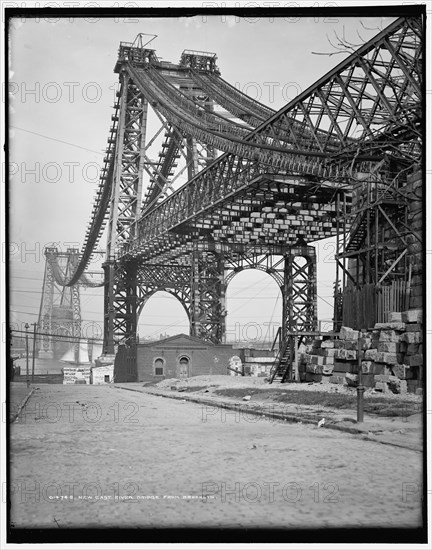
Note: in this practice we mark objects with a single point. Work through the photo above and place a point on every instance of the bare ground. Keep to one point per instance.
(132, 459)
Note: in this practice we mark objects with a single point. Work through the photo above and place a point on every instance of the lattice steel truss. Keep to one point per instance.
(299, 291)
(259, 182)
(60, 309)
(128, 286)
(208, 307)
(294, 270)
(130, 159)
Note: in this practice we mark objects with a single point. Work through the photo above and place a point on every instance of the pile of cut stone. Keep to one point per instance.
(391, 356)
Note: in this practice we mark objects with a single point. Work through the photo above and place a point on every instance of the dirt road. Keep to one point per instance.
(129, 459)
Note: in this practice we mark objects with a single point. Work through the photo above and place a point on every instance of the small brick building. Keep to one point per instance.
(181, 356)
(102, 374)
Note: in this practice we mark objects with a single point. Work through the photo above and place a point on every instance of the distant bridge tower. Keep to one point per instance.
(60, 310)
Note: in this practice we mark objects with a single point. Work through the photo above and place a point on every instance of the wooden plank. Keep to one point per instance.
(394, 293)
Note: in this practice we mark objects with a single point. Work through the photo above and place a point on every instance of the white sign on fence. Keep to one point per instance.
(72, 375)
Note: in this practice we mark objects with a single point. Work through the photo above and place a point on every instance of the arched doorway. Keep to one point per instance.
(183, 369)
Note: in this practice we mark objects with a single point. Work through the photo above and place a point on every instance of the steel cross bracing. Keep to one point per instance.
(208, 291)
(377, 254)
(375, 92)
(128, 286)
(354, 122)
(245, 196)
(129, 161)
(278, 178)
(269, 263)
(300, 305)
(201, 288)
(60, 310)
(294, 270)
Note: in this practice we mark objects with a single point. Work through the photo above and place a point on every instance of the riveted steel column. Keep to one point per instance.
(109, 310)
(299, 292)
(208, 294)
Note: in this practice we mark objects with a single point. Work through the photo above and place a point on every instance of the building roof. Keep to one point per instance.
(172, 340)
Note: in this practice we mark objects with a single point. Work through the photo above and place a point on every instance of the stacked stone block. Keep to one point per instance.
(391, 356)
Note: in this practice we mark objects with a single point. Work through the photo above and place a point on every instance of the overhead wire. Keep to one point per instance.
(57, 140)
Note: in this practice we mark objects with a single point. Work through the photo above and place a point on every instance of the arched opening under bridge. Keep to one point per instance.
(162, 315)
(326, 277)
(254, 308)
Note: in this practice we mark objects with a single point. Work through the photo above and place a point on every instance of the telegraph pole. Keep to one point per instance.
(34, 351)
(27, 326)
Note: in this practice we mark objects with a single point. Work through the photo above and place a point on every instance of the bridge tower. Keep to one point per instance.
(60, 310)
(199, 282)
(199, 277)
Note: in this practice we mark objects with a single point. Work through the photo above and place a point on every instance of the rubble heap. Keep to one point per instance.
(391, 356)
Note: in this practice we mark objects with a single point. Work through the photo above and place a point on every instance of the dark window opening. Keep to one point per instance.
(159, 367)
(106, 378)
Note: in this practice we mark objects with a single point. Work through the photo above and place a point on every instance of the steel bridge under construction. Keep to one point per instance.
(235, 185)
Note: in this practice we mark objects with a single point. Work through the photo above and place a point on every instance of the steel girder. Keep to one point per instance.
(130, 285)
(174, 279)
(201, 289)
(268, 263)
(294, 271)
(299, 291)
(120, 304)
(208, 295)
(126, 196)
(270, 210)
(125, 207)
(371, 103)
(368, 107)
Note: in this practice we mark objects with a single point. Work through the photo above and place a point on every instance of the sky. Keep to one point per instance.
(62, 88)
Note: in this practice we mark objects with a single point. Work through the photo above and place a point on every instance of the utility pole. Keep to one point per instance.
(34, 351)
(27, 326)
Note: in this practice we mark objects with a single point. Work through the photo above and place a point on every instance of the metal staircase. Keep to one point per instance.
(282, 368)
(359, 230)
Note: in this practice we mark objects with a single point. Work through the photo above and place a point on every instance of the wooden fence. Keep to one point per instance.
(125, 364)
(391, 298)
(362, 308)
